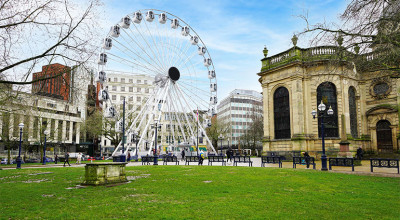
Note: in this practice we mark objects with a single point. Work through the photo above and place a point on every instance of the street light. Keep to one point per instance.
(221, 138)
(156, 126)
(46, 132)
(321, 114)
(136, 139)
(21, 126)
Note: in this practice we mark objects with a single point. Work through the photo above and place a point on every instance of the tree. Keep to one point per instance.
(370, 29)
(255, 130)
(217, 128)
(40, 32)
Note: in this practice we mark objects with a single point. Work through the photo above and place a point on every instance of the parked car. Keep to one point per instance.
(4, 161)
(32, 160)
(15, 161)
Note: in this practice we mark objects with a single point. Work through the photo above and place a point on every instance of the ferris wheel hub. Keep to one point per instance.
(174, 74)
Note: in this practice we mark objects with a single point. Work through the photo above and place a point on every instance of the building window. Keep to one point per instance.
(353, 112)
(138, 99)
(122, 89)
(145, 82)
(139, 81)
(138, 89)
(282, 113)
(130, 80)
(130, 89)
(327, 93)
(147, 90)
(131, 98)
(114, 97)
(114, 88)
(123, 80)
(122, 98)
(115, 79)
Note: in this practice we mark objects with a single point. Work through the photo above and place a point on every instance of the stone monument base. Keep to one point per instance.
(344, 150)
(104, 173)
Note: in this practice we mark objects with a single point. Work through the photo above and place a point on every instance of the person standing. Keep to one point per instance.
(359, 154)
(79, 158)
(67, 159)
(129, 156)
(201, 158)
(183, 154)
(56, 159)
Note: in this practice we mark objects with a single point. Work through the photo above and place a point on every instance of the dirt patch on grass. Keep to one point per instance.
(137, 177)
(36, 181)
(207, 181)
(32, 174)
(76, 187)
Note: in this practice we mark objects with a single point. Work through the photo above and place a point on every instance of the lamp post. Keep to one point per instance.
(21, 126)
(221, 138)
(136, 139)
(321, 114)
(46, 132)
(156, 125)
(123, 156)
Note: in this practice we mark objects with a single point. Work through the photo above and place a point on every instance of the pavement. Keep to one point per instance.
(364, 169)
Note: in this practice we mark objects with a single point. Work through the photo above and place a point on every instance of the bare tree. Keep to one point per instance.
(39, 32)
(254, 132)
(217, 128)
(370, 29)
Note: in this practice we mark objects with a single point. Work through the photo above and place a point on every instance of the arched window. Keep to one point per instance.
(327, 93)
(353, 112)
(282, 113)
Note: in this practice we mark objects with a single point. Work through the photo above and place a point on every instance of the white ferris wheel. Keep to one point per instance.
(160, 45)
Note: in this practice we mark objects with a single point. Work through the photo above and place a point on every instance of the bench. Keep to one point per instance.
(167, 159)
(191, 159)
(242, 159)
(271, 159)
(388, 163)
(302, 161)
(147, 160)
(216, 159)
(343, 162)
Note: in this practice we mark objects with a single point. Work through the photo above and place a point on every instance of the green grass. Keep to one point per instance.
(192, 192)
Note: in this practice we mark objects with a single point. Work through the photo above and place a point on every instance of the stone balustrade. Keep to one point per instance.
(297, 54)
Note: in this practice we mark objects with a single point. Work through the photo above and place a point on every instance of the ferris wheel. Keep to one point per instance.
(162, 46)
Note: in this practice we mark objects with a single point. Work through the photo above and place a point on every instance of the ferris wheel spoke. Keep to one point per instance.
(136, 54)
(189, 128)
(130, 63)
(155, 45)
(177, 117)
(139, 45)
(151, 67)
(194, 94)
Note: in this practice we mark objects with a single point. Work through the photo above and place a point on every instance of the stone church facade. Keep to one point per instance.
(365, 103)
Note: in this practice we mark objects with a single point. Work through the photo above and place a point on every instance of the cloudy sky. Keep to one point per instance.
(235, 32)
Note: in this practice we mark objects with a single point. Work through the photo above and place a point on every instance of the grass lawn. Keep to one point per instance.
(192, 192)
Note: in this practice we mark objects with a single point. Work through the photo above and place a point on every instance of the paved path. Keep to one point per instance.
(364, 169)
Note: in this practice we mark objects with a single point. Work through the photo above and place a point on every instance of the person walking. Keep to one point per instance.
(129, 156)
(55, 159)
(229, 154)
(183, 154)
(67, 159)
(307, 159)
(79, 158)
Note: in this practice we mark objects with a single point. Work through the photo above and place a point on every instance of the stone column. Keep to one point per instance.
(363, 109)
(56, 130)
(374, 144)
(78, 131)
(344, 144)
(394, 137)
(64, 131)
(71, 130)
(267, 137)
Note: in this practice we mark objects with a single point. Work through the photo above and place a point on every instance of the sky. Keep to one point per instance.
(236, 31)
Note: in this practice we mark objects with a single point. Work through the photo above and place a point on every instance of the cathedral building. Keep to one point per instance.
(364, 102)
